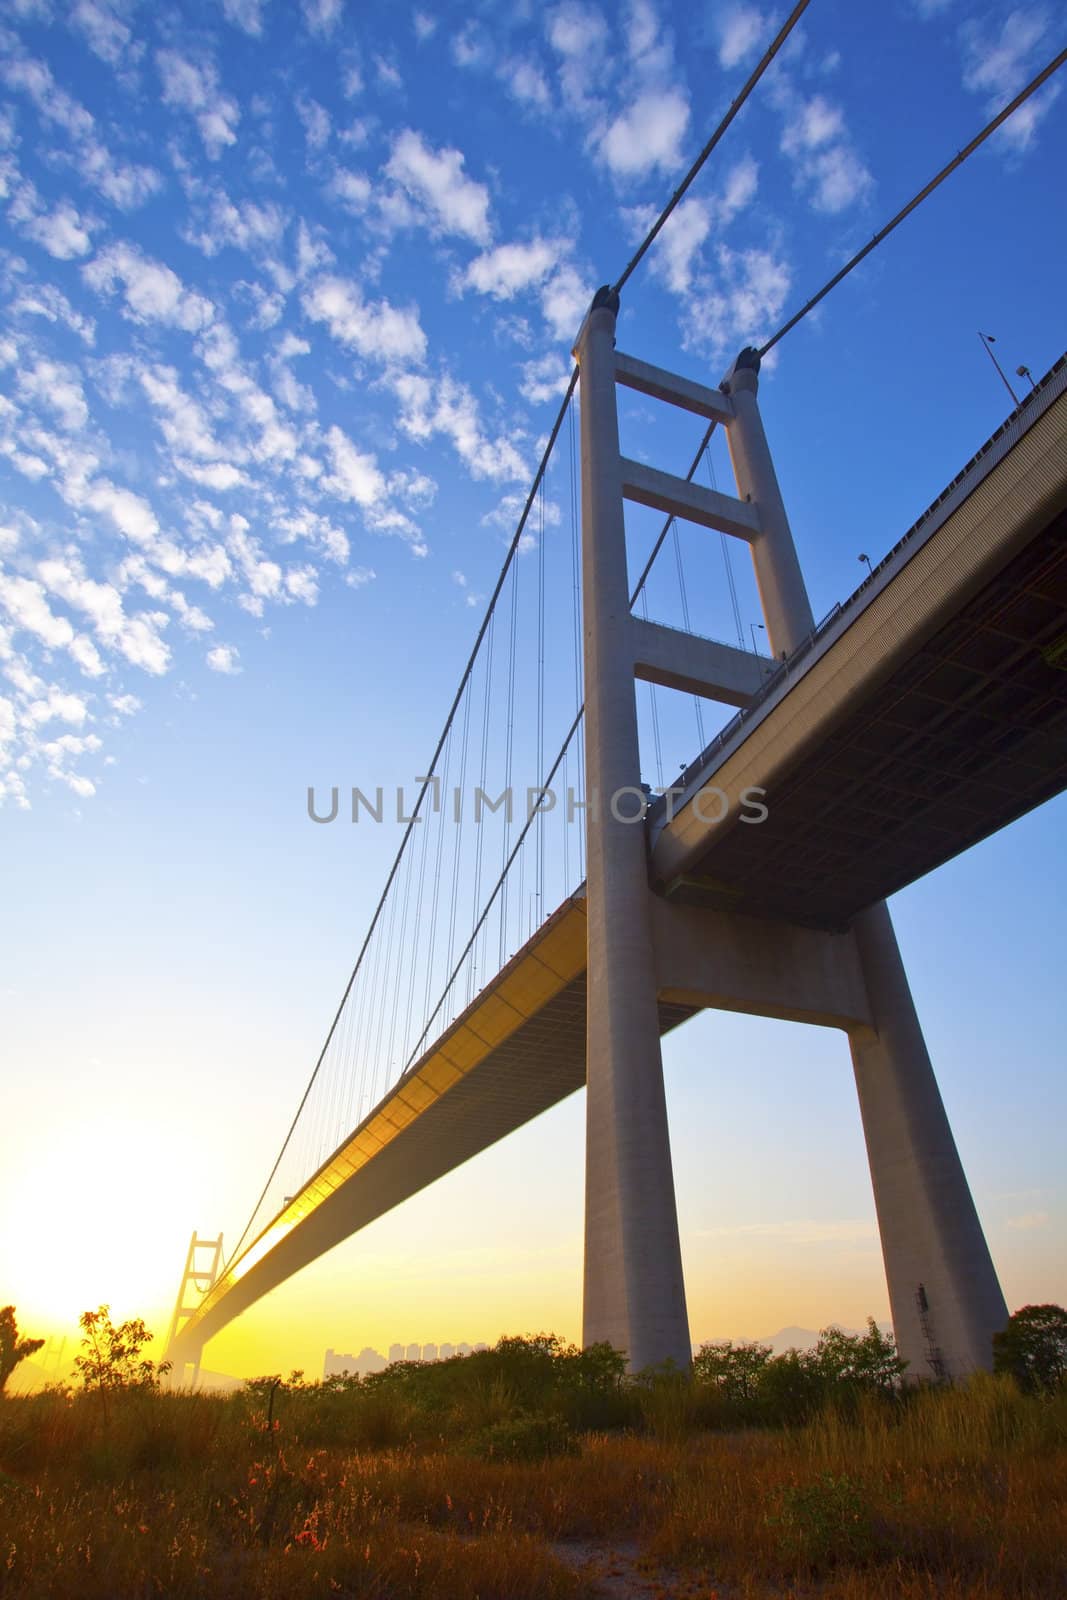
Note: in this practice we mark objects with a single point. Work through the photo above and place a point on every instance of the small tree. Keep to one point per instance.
(860, 1360)
(12, 1348)
(1033, 1348)
(733, 1369)
(111, 1356)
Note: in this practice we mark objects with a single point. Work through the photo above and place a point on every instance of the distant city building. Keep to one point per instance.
(337, 1365)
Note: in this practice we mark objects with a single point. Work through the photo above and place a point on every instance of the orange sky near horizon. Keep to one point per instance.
(447, 1267)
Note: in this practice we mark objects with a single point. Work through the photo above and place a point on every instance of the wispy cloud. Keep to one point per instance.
(437, 182)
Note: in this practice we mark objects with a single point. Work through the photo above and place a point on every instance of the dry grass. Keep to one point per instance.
(957, 1495)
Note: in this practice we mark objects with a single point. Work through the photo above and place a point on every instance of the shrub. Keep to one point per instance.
(824, 1522)
(524, 1439)
(1033, 1348)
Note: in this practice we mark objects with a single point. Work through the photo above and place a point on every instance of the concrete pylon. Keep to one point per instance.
(784, 600)
(634, 1290)
(943, 1289)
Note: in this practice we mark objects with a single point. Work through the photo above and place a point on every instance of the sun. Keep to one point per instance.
(97, 1221)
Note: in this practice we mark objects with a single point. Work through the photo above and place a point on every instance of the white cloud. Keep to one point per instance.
(997, 65)
(105, 32)
(56, 386)
(579, 36)
(152, 292)
(352, 189)
(124, 185)
(648, 134)
(677, 247)
(131, 515)
(181, 418)
(509, 268)
(246, 14)
(224, 658)
(301, 583)
(25, 603)
(425, 26)
(544, 379)
(445, 406)
(375, 329)
(137, 638)
(195, 88)
(322, 16)
(316, 529)
(739, 189)
(45, 300)
(741, 30)
(564, 301)
(63, 231)
(355, 475)
(527, 83)
(739, 304)
(816, 139)
(436, 179)
(240, 224)
(837, 178)
(316, 122)
(816, 123)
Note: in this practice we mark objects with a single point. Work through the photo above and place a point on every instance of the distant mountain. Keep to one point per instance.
(799, 1338)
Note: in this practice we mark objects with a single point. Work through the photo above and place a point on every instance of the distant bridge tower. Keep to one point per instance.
(643, 949)
(199, 1280)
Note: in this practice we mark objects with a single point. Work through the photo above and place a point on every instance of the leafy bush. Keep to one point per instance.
(1033, 1349)
(524, 1439)
(825, 1522)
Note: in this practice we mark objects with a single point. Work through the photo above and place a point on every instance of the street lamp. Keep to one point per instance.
(870, 569)
(1024, 372)
(988, 341)
(752, 630)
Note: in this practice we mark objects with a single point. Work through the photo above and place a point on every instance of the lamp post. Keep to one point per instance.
(870, 569)
(988, 341)
(752, 630)
(1024, 372)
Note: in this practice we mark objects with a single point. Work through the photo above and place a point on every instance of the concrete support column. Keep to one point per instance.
(943, 1289)
(634, 1291)
(786, 611)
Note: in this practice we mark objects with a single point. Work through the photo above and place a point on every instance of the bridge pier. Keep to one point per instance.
(943, 1289)
(945, 1297)
(634, 1290)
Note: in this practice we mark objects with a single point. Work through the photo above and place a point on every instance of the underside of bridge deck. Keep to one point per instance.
(968, 735)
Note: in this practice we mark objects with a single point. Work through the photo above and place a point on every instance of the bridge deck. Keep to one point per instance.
(518, 1049)
(930, 712)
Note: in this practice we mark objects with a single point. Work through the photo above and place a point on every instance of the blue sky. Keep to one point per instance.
(288, 298)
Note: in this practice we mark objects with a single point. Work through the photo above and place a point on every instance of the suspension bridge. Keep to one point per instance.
(551, 912)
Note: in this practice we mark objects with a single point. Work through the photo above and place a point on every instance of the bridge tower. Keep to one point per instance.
(943, 1288)
(199, 1279)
